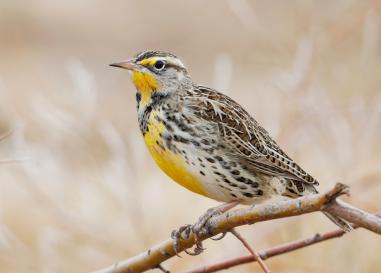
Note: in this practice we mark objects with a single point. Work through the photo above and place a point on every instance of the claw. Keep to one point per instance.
(223, 234)
(176, 249)
(199, 228)
(176, 235)
(197, 250)
(183, 233)
(187, 231)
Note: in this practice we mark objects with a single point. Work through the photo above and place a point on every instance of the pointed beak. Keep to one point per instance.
(129, 65)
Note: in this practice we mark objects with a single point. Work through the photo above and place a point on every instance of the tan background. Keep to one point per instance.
(86, 193)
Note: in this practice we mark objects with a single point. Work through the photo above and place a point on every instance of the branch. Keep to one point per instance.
(274, 251)
(248, 215)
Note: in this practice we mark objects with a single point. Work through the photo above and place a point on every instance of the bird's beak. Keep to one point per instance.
(129, 65)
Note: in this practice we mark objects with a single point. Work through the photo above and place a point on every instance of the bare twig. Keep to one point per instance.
(275, 251)
(254, 254)
(249, 215)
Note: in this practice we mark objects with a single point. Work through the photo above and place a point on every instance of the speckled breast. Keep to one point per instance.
(168, 155)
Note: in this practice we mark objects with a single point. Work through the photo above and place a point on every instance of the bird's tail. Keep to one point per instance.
(341, 223)
(310, 189)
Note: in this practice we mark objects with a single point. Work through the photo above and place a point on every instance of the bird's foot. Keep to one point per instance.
(183, 233)
(197, 229)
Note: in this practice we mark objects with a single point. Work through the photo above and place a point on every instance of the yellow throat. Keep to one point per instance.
(146, 84)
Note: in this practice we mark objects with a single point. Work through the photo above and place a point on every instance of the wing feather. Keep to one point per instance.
(247, 140)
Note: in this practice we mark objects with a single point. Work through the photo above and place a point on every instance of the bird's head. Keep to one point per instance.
(156, 72)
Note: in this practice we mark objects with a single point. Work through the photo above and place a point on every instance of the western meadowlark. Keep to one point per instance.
(207, 142)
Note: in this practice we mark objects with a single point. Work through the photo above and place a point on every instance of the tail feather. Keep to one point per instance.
(299, 188)
(341, 223)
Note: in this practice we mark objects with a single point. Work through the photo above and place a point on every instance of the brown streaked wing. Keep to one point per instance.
(248, 141)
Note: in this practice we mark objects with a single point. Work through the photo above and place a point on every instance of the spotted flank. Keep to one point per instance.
(190, 155)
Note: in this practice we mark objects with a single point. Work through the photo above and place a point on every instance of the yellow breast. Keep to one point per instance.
(171, 163)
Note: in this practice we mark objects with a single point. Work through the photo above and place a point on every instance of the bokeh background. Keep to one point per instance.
(78, 189)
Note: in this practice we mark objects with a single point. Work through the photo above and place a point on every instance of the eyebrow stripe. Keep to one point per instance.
(149, 61)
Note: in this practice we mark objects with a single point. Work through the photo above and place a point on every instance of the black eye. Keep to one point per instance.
(159, 65)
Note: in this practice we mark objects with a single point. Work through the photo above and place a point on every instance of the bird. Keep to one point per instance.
(207, 142)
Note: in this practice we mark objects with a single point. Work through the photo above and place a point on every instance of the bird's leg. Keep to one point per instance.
(202, 221)
(199, 227)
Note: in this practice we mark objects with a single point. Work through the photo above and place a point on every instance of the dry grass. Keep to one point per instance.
(86, 192)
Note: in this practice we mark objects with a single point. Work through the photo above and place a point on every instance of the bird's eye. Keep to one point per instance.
(159, 65)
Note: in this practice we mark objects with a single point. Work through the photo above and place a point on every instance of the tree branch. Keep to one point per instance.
(274, 251)
(250, 215)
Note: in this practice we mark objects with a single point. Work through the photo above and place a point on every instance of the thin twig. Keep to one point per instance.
(275, 251)
(254, 254)
(249, 215)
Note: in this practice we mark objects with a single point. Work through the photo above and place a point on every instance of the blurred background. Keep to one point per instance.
(78, 189)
